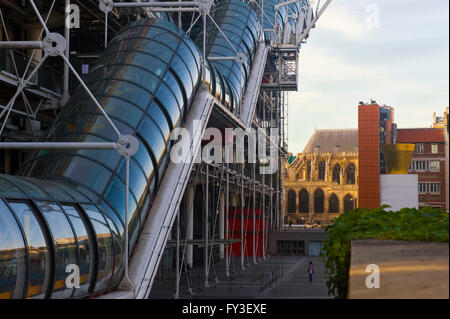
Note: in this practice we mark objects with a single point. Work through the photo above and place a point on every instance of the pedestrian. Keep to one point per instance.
(290, 224)
(310, 271)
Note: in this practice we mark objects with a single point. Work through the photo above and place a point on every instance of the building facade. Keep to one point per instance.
(429, 163)
(375, 128)
(321, 182)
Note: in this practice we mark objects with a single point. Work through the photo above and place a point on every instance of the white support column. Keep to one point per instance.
(190, 191)
(222, 223)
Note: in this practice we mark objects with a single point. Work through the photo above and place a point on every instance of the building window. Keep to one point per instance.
(337, 174)
(318, 201)
(351, 179)
(291, 202)
(419, 148)
(308, 171)
(435, 188)
(322, 166)
(291, 247)
(423, 187)
(435, 165)
(434, 148)
(303, 197)
(349, 203)
(420, 165)
(333, 204)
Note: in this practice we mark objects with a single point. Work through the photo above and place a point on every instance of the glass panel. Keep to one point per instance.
(183, 73)
(138, 182)
(158, 117)
(122, 110)
(115, 195)
(105, 247)
(170, 81)
(86, 250)
(65, 247)
(12, 256)
(143, 158)
(29, 189)
(85, 172)
(118, 246)
(152, 135)
(9, 190)
(51, 189)
(130, 92)
(39, 267)
(170, 104)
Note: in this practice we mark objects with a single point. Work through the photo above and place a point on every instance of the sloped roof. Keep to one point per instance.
(420, 135)
(327, 140)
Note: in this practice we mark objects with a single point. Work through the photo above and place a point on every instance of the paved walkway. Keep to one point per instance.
(275, 278)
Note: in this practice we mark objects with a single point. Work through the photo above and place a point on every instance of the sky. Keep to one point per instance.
(395, 52)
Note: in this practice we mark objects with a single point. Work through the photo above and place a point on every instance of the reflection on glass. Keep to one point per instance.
(105, 247)
(65, 246)
(86, 250)
(12, 256)
(39, 267)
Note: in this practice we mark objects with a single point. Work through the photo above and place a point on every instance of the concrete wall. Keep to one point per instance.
(399, 191)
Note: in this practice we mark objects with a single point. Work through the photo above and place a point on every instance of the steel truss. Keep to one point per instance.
(233, 182)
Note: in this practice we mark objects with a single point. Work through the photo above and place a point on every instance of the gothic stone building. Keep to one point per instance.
(322, 182)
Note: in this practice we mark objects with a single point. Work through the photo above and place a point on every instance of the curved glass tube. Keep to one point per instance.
(240, 24)
(68, 206)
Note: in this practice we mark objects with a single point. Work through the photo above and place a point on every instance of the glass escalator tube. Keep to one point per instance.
(67, 207)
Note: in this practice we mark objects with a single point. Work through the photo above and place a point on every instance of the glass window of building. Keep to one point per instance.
(349, 203)
(322, 166)
(65, 246)
(38, 251)
(303, 201)
(434, 148)
(419, 148)
(12, 256)
(318, 201)
(291, 202)
(333, 204)
(86, 254)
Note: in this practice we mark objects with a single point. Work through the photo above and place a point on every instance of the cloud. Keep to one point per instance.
(342, 20)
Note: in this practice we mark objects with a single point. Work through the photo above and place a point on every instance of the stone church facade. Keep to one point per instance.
(321, 183)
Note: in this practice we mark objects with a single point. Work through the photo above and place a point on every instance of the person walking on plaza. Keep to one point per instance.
(310, 271)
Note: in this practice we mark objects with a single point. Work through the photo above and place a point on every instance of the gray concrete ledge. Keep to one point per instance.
(407, 270)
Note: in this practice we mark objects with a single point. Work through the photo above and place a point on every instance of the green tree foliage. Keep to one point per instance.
(425, 224)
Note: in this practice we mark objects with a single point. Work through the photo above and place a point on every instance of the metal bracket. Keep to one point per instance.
(128, 145)
(205, 5)
(106, 5)
(241, 58)
(54, 44)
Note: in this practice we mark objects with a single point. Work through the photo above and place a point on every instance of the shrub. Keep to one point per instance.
(425, 224)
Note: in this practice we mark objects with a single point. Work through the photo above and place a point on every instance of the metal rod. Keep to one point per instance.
(91, 95)
(221, 58)
(65, 95)
(242, 217)
(206, 229)
(254, 215)
(43, 23)
(59, 145)
(177, 257)
(155, 4)
(19, 90)
(21, 45)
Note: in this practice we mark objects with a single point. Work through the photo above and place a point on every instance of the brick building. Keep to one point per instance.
(375, 128)
(428, 162)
